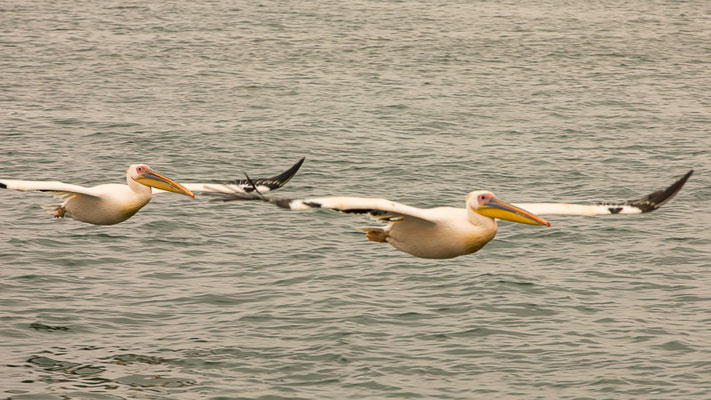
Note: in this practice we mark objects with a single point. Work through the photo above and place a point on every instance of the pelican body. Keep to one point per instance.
(106, 204)
(440, 232)
(447, 232)
(110, 204)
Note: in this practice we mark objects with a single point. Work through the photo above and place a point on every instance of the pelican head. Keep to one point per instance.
(485, 203)
(144, 175)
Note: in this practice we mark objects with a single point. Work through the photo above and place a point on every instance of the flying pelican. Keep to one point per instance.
(447, 232)
(112, 203)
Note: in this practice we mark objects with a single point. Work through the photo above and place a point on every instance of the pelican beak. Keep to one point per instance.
(498, 209)
(158, 181)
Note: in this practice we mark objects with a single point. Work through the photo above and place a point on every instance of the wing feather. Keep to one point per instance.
(380, 209)
(645, 204)
(56, 188)
(242, 185)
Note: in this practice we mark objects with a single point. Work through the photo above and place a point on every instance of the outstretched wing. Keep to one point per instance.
(380, 209)
(58, 189)
(646, 204)
(243, 185)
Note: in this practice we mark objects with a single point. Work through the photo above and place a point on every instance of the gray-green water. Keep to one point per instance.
(419, 102)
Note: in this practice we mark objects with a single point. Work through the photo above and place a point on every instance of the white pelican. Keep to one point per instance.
(446, 232)
(112, 203)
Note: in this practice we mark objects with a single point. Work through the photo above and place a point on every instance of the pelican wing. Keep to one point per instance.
(58, 189)
(243, 185)
(646, 204)
(380, 209)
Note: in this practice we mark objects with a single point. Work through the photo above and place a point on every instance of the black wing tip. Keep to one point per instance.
(3, 186)
(224, 198)
(657, 199)
(286, 176)
(274, 182)
(282, 203)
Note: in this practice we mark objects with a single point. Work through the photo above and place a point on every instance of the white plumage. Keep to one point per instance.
(106, 204)
(110, 204)
(446, 232)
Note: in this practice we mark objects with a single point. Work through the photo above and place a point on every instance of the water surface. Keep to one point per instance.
(415, 102)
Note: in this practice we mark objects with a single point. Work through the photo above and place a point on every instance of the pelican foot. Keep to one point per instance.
(376, 236)
(59, 212)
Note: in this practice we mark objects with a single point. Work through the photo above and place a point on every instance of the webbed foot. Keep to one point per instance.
(376, 236)
(59, 212)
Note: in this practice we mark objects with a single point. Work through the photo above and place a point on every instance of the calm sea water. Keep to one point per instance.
(419, 102)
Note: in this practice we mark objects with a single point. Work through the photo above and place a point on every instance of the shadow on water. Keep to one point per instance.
(91, 379)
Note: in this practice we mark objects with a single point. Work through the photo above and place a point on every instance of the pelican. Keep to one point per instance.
(447, 232)
(111, 203)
